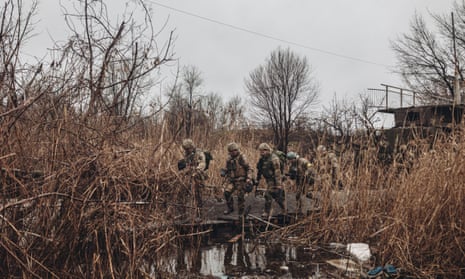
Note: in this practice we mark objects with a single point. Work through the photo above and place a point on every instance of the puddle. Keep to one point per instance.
(249, 259)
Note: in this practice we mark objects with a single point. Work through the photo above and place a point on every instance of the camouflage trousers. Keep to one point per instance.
(239, 187)
(273, 192)
(197, 184)
(300, 183)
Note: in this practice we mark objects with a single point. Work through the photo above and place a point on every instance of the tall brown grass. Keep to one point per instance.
(411, 215)
(82, 201)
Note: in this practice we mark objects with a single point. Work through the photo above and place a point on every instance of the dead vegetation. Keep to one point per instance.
(411, 213)
(112, 212)
(89, 186)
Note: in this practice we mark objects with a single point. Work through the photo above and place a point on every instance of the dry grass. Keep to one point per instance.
(413, 219)
(79, 218)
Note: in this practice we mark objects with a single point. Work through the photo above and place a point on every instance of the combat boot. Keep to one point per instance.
(228, 211)
(282, 207)
(229, 202)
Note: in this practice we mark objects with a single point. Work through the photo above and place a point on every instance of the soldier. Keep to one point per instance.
(239, 174)
(195, 164)
(404, 158)
(328, 166)
(300, 170)
(269, 166)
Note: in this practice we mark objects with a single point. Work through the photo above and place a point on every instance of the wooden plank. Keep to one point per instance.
(264, 221)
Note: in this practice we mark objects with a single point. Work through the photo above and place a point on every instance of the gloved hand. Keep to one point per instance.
(248, 186)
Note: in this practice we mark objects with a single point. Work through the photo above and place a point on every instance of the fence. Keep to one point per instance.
(390, 97)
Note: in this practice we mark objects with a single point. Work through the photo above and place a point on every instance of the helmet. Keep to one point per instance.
(332, 156)
(291, 155)
(264, 146)
(233, 146)
(321, 149)
(188, 144)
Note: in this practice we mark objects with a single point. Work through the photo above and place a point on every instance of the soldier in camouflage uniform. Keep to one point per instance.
(404, 158)
(327, 165)
(239, 174)
(269, 166)
(300, 170)
(194, 160)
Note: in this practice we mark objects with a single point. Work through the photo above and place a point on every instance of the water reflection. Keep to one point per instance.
(239, 259)
(214, 254)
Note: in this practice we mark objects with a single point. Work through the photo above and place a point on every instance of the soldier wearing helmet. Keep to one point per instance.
(300, 170)
(404, 159)
(327, 165)
(239, 175)
(194, 164)
(264, 146)
(188, 144)
(269, 166)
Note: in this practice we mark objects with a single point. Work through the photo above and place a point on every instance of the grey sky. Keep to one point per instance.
(345, 41)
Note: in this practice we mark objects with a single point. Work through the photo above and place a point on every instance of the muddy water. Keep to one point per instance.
(248, 259)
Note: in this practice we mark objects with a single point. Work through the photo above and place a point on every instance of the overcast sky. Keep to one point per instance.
(346, 42)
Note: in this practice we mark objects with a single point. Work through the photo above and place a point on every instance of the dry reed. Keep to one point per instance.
(106, 205)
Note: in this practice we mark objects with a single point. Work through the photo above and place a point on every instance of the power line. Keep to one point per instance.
(269, 36)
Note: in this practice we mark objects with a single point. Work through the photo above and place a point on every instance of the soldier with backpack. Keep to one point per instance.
(239, 175)
(300, 170)
(327, 165)
(269, 166)
(194, 165)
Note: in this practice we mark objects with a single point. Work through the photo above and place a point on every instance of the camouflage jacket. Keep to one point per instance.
(328, 163)
(195, 161)
(301, 168)
(270, 167)
(238, 168)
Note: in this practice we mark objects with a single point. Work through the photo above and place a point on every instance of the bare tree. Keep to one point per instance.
(192, 80)
(185, 106)
(366, 114)
(93, 81)
(17, 81)
(212, 104)
(427, 59)
(111, 61)
(281, 91)
(343, 118)
(339, 119)
(188, 107)
(232, 114)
